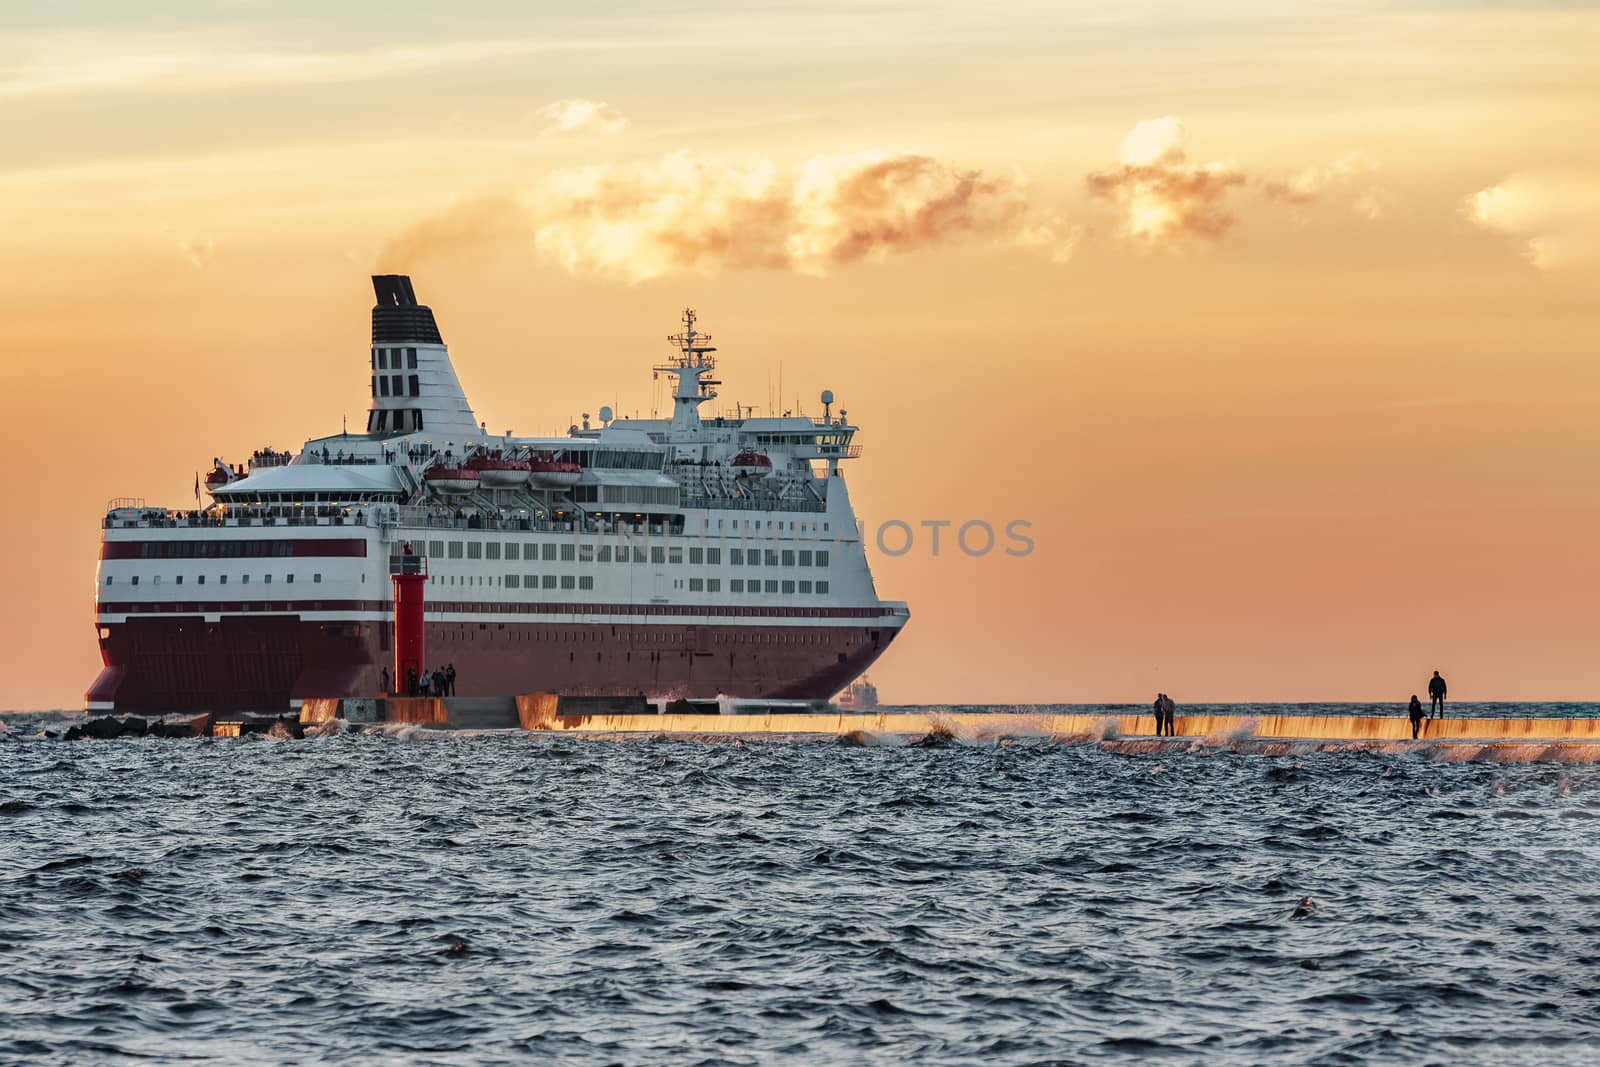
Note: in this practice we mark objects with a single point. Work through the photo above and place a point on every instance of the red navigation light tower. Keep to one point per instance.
(410, 574)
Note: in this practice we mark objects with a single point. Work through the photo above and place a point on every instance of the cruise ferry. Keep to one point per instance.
(694, 556)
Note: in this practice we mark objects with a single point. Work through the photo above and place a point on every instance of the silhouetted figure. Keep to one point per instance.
(1436, 693)
(384, 681)
(1415, 712)
(1160, 709)
(424, 684)
(439, 689)
(1172, 714)
(450, 679)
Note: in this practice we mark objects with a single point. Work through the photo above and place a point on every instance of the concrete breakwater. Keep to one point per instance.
(542, 712)
(547, 712)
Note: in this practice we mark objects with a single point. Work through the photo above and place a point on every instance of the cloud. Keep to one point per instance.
(679, 214)
(87, 62)
(1162, 196)
(198, 254)
(1555, 216)
(566, 116)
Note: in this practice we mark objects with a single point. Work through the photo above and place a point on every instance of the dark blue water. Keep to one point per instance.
(434, 898)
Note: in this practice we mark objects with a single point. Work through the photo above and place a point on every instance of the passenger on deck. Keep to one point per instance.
(384, 681)
(1416, 716)
(439, 689)
(424, 683)
(1436, 692)
(450, 679)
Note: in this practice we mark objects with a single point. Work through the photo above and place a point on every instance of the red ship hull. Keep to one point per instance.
(265, 662)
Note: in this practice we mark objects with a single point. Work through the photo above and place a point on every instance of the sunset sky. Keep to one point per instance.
(1279, 326)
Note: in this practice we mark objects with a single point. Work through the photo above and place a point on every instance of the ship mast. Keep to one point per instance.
(690, 366)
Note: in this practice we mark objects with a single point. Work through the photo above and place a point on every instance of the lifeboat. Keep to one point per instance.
(497, 472)
(554, 473)
(752, 464)
(452, 481)
(217, 478)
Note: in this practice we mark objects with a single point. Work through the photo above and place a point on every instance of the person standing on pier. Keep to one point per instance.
(1416, 716)
(1436, 692)
(1171, 716)
(1160, 709)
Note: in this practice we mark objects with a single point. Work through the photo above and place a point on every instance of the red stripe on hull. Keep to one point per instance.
(262, 662)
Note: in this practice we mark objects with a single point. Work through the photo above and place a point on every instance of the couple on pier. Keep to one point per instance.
(1165, 711)
(1436, 693)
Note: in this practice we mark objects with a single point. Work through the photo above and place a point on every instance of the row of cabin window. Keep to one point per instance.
(569, 553)
(396, 385)
(200, 579)
(389, 359)
(787, 585)
(549, 581)
(779, 524)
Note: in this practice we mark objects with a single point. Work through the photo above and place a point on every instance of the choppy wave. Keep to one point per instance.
(433, 898)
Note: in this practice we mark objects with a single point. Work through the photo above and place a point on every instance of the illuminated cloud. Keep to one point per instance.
(1162, 196)
(1555, 216)
(634, 222)
(597, 116)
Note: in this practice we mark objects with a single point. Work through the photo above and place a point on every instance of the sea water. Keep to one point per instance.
(418, 897)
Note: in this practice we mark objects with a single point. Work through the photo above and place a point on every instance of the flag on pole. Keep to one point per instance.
(197, 488)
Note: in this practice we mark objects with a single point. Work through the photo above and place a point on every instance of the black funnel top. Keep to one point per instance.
(398, 318)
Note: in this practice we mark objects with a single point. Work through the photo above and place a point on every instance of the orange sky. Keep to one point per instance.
(1279, 328)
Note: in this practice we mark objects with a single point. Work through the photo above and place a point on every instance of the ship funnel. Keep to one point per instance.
(414, 386)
